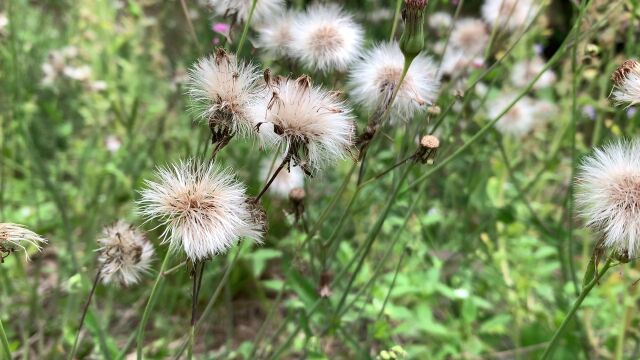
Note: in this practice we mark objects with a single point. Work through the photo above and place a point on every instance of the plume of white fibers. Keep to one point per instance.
(287, 179)
(608, 195)
(222, 88)
(525, 71)
(519, 120)
(469, 36)
(440, 20)
(315, 125)
(124, 254)
(275, 36)
(241, 8)
(326, 38)
(378, 73)
(204, 210)
(509, 14)
(14, 236)
(626, 83)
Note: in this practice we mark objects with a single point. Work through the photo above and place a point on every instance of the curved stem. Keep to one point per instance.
(576, 305)
(5, 341)
(284, 162)
(245, 30)
(72, 353)
(149, 306)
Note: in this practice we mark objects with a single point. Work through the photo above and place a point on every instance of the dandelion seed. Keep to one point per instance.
(326, 38)
(524, 72)
(222, 88)
(275, 36)
(626, 83)
(204, 210)
(125, 254)
(378, 74)
(608, 195)
(314, 125)
(15, 237)
(509, 14)
(285, 181)
(519, 120)
(240, 8)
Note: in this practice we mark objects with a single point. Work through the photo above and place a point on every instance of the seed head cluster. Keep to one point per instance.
(626, 83)
(124, 254)
(16, 237)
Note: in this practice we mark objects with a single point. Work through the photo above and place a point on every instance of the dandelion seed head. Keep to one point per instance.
(222, 88)
(519, 120)
(124, 254)
(15, 237)
(313, 124)
(509, 14)
(626, 83)
(241, 8)
(378, 73)
(608, 195)
(275, 36)
(470, 36)
(526, 71)
(326, 38)
(204, 210)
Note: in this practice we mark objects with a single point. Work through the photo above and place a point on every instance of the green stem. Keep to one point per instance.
(5, 341)
(396, 17)
(245, 30)
(149, 306)
(576, 305)
(84, 315)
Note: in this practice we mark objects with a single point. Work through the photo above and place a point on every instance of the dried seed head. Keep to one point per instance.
(297, 195)
(623, 71)
(15, 237)
(125, 254)
(626, 83)
(430, 142)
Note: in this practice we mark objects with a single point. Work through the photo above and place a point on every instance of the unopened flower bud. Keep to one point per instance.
(412, 40)
(429, 144)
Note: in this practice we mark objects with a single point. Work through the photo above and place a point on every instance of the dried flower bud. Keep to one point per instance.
(412, 40)
(429, 144)
(296, 196)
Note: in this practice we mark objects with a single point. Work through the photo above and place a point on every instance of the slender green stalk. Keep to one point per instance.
(72, 353)
(149, 306)
(245, 30)
(5, 341)
(576, 305)
(396, 18)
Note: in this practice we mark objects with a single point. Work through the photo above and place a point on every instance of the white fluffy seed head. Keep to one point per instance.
(525, 71)
(469, 36)
(519, 120)
(608, 195)
(222, 88)
(626, 83)
(509, 14)
(287, 179)
(378, 73)
(275, 36)
(16, 237)
(326, 38)
(241, 8)
(204, 210)
(313, 124)
(124, 254)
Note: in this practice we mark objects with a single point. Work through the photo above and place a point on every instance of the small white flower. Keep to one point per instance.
(374, 77)
(509, 14)
(519, 119)
(525, 71)
(314, 125)
(16, 237)
(608, 195)
(222, 88)
(326, 38)
(204, 210)
(241, 8)
(626, 83)
(275, 36)
(287, 179)
(125, 254)
(469, 36)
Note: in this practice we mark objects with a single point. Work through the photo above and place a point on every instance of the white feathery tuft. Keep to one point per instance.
(275, 36)
(14, 236)
(377, 74)
(125, 254)
(519, 120)
(608, 195)
(326, 38)
(241, 8)
(509, 14)
(204, 210)
(525, 71)
(626, 83)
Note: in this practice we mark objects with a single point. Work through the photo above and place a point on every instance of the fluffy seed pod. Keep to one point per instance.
(275, 36)
(15, 237)
(509, 14)
(125, 254)
(240, 8)
(626, 83)
(205, 210)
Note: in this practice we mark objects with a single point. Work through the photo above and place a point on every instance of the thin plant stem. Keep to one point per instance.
(72, 353)
(147, 309)
(284, 162)
(576, 305)
(245, 30)
(174, 269)
(396, 18)
(198, 270)
(192, 30)
(258, 339)
(5, 341)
